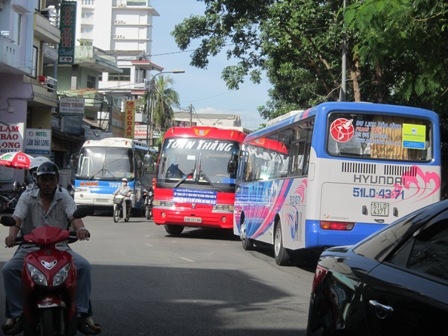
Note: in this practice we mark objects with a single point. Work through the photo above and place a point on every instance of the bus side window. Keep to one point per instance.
(300, 148)
(248, 170)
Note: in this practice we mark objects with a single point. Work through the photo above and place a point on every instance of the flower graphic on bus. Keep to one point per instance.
(342, 129)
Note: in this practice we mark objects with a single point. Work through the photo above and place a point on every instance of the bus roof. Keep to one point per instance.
(118, 142)
(294, 116)
(206, 132)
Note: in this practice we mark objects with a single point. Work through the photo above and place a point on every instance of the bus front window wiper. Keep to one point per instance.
(182, 180)
(102, 170)
(205, 177)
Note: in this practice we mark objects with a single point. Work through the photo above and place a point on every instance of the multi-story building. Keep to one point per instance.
(124, 29)
(27, 98)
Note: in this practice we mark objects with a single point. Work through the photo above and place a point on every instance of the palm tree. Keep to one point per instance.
(162, 98)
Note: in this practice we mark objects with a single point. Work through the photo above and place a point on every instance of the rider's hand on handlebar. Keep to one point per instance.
(83, 234)
(10, 241)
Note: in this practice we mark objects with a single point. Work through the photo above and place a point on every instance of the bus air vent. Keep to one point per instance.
(361, 168)
(391, 170)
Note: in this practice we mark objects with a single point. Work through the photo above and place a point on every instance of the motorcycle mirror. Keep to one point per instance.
(81, 212)
(8, 221)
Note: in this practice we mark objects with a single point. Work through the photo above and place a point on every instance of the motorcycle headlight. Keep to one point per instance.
(61, 275)
(37, 276)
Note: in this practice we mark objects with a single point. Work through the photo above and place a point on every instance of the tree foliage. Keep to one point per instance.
(162, 98)
(396, 49)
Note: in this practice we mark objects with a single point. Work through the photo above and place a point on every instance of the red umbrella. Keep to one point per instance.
(15, 160)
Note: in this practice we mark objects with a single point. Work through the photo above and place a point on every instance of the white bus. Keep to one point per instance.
(335, 173)
(101, 164)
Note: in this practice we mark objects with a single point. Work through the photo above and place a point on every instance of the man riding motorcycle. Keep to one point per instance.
(49, 205)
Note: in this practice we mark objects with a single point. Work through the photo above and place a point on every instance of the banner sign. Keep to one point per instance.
(71, 106)
(11, 138)
(194, 196)
(129, 119)
(68, 31)
(38, 141)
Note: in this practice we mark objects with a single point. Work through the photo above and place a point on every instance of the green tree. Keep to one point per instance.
(161, 98)
(405, 44)
(396, 50)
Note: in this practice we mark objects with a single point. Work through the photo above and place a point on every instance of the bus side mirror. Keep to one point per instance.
(233, 164)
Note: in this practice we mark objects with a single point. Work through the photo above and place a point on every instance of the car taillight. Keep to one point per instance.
(341, 226)
(319, 276)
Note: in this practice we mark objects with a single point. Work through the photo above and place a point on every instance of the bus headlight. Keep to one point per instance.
(84, 190)
(223, 207)
(163, 203)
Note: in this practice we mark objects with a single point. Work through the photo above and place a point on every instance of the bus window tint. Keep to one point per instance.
(301, 135)
(181, 159)
(267, 157)
(379, 137)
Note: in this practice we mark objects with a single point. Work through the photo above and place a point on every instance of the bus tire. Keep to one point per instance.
(174, 230)
(281, 255)
(247, 243)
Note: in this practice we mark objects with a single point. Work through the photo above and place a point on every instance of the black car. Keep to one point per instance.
(395, 282)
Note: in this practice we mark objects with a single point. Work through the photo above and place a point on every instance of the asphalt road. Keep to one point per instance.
(146, 282)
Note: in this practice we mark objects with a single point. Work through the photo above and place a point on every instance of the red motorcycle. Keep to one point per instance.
(48, 281)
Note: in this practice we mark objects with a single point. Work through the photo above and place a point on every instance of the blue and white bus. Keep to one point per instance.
(101, 164)
(335, 173)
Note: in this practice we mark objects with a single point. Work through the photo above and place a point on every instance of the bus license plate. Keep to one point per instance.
(101, 200)
(192, 220)
(380, 209)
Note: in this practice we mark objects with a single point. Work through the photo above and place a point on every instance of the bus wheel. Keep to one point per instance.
(174, 229)
(246, 242)
(280, 253)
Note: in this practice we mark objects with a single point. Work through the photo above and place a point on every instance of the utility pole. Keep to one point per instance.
(342, 92)
(191, 115)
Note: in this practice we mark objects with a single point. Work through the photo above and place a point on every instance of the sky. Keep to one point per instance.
(202, 88)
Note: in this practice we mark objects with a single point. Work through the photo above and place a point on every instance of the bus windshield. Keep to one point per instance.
(105, 163)
(195, 161)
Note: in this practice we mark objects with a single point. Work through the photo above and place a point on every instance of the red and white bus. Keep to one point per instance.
(195, 178)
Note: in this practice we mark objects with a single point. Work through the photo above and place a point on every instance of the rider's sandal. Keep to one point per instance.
(12, 326)
(87, 326)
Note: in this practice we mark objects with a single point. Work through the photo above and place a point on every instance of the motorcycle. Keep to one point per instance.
(48, 281)
(149, 197)
(118, 208)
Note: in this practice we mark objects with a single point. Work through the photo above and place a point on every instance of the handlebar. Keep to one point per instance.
(72, 237)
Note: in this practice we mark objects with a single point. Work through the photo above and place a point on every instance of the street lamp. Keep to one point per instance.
(150, 108)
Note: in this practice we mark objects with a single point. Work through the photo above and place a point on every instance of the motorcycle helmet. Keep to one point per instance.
(35, 163)
(124, 179)
(47, 168)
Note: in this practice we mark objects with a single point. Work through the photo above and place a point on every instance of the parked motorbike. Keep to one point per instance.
(48, 281)
(149, 197)
(118, 208)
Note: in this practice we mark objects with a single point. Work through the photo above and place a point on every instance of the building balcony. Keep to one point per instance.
(95, 58)
(44, 30)
(10, 60)
(43, 91)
